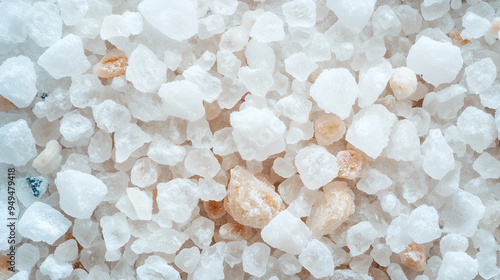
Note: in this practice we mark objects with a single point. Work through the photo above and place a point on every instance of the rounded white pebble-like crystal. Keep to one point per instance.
(316, 166)
(41, 222)
(457, 266)
(424, 224)
(317, 259)
(18, 80)
(17, 143)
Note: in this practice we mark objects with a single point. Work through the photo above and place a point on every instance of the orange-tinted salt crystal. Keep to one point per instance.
(235, 232)
(6, 105)
(495, 27)
(351, 164)
(215, 209)
(414, 257)
(331, 209)
(250, 201)
(112, 65)
(328, 129)
(457, 39)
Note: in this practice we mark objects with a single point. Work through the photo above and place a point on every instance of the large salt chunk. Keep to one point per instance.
(145, 70)
(177, 199)
(487, 166)
(258, 133)
(360, 237)
(287, 233)
(481, 75)
(437, 62)
(370, 129)
(434, 9)
(317, 259)
(424, 224)
(65, 58)
(457, 266)
(18, 144)
(352, 15)
(300, 13)
(41, 222)
(18, 80)
(80, 193)
(477, 128)
(176, 19)
(404, 143)
(55, 268)
(156, 267)
(110, 116)
(45, 25)
(115, 231)
(316, 166)
(335, 91)
(268, 28)
(300, 66)
(462, 213)
(474, 25)
(183, 99)
(255, 259)
(128, 139)
(438, 157)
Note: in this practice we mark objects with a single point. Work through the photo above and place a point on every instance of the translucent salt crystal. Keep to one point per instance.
(85, 231)
(353, 16)
(235, 231)
(260, 56)
(477, 128)
(145, 71)
(414, 257)
(437, 62)
(27, 256)
(450, 183)
(385, 22)
(294, 107)
(257, 81)
(41, 222)
(156, 267)
(165, 152)
(255, 259)
(227, 63)
(223, 7)
(351, 164)
(183, 99)
(332, 209)
(289, 264)
(100, 145)
(121, 25)
(55, 269)
(487, 264)
(397, 234)
(403, 82)
(424, 224)
(166, 240)
(361, 263)
(115, 231)
(209, 189)
(202, 162)
(301, 206)
(300, 66)
(268, 28)
(360, 237)
(111, 116)
(381, 254)
(209, 85)
(453, 242)
(328, 129)
(75, 127)
(177, 20)
(474, 25)
(13, 15)
(316, 166)
(374, 121)
(67, 251)
(177, 199)
(73, 11)
(434, 9)
(462, 214)
(481, 75)
(457, 265)
(128, 139)
(335, 91)
(437, 154)
(187, 259)
(18, 81)
(396, 272)
(372, 82)
(211, 262)
(317, 259)
(112, 65)
(45, 25)
(489, 96)
(137, 205)
(68, 49)
(446, 103)
(487, 166)
(18, 144)
(80, 193)
(404, 143)
(258, 133)
(373, 181)
(234, 39)
(144, 172)
(410, 18)
(390, 204)
(234, 251)
(284, 168)
(290, 188)
(201, 232)
(250, 201)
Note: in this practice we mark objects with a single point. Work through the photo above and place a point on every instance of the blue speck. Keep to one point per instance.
(35, 183)
(44, 95)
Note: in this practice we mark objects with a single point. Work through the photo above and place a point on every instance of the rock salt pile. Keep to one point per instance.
(226, 139)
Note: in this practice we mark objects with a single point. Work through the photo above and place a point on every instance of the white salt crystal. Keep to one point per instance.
(300, 13)
(481, 75)
(75, 127)
(199, 134)
(287, 232)
(209, 189)
(301, 206)
(115, 231)
(223, 143)
(73, 11)
(453, 243)
(353, 16)
(373, 181)
(457, 265)
(434, 9)
(166, 240)
(372, 82)
(27, 256)
(234, 251)
(144, 172)
(360, 237)
(55, 268)
(67, 251)
(257, 81)
(317, 259)
(177, 199)
(289, 264)
(397, 234)
(489, 97)
(223, 7)
(128, 139)
(176, 19)
(437, 154)
(424, 224)
(209, 85)
(450, 183)
(13, 16)
(361, 263)
(121, 25)
(18, 80)
(183, 99)
(255, 259)
(137, 205)
(391, 204)
(156, 267)
(295, 107)
(316, 166)
(85, 231)
(299, 65)
(80, 193)
(335, 91)
(404, 143)
(487, 166)
(45, 25)
(477, 128)
(165, 152)
(202, 162)
(462, 214)
(381, 254)
(145, 70)
(410, 18)
(446, 102)
(487, 264)
(227, 63)
(385, 22)
(260, 56)
(211, 262)
(65, 58)
(268, 28)
(100, 145)
(187, 259)
(201, 232)
(284, 168)
(395, 271)
(18, 144)
(85, 90)
(110, 116)
(437, 62)
(474, 25)
(234, 39)
(41, 222)
(370, 129)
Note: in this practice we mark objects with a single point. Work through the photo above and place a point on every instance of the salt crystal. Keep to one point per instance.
(373, 181)
(352, 16)
(201, 232)
(183, 99)
(328, 129)
(290, 188)
(18, 80)
(289, 264)
(49, 159)
(477, 128)
(300, 66)
(438, 156)
(457, 265)
(156, 267)
(268, 28)
(227, 63)
(489, 97)
(27, 256)
(287, 233)
(410, 18)
(385, 22)
(424, 224)
(202, 162)
(144, 172)
(396, 272)
(145, 71)
(100, 145)
(235, 231)
(316, 166)
(335, 91)
(361, 263)
(224, 7)
(360, 237)
(434, 9)
(45, 26)
(481, 75)
(41, 222)
(128, 139)
(177, 199)
(75, 127)
(260, 56)
(437, 62)
(67, 251)
(115, 231)
(73, 11)
(257, 81)
(284, 168)
(80, 193)
(234, 39)
(68, 49)
(372, 82)
(295, 107)
(446, 103)
(255, 259)
(210, 86)
(381, 254)
(453, 242)
(187, 259)
(110, 115)
(487, 264)
(317, 259)
(351, 164)
(462, 214)
(234, 251)
(487, 166)
(137, 205)
(13, 15)
(370, 129)
(474, 25)
(165, 152)
(211, 190)
(55, 268)
(397, 234)
(85, 231)
(404, 143)
(403, 82)
(18, 144)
